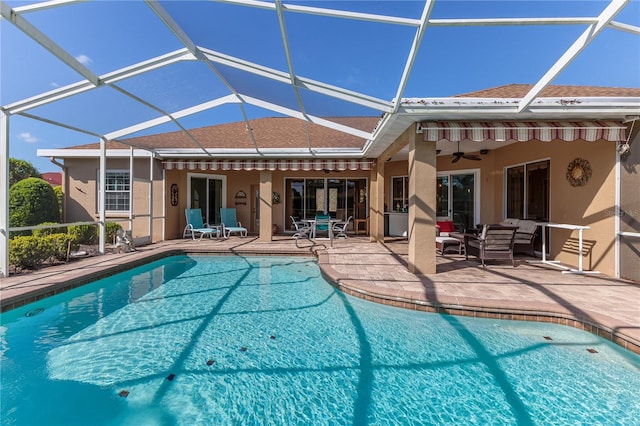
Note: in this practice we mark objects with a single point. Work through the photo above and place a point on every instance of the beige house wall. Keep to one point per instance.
(591, 205)
(242, 181)
(630, 209)
(81, 193)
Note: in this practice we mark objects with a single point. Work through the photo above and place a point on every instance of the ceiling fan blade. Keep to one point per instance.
(456, 159)
(472, 157)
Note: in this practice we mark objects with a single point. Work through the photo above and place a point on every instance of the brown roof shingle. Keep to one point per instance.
(271, 132)
(288, 132)
(520, 90)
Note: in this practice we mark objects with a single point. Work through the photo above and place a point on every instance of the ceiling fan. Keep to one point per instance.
(458, 155)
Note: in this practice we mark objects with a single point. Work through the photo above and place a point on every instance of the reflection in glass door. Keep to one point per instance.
(456, 198)
(527, 194)
(340, 198)
(463, 200)
(442, 197)
(206, 195)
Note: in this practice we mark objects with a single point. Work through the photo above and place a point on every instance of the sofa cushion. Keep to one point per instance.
(527, 227)
(446, 226)
(510, 222)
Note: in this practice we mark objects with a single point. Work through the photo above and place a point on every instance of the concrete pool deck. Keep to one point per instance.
(597, 303)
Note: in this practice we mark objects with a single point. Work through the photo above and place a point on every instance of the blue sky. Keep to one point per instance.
(361, 56)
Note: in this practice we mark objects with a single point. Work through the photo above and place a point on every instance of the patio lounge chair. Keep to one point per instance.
(230, 224)
(495, 242)
(196, 226)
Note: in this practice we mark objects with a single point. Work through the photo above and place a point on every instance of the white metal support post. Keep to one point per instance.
(151, 215)
(4, 194)
(103, 197)
(131, 183)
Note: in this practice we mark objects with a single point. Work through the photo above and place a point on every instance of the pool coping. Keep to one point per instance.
(603, 325)
(599, 324)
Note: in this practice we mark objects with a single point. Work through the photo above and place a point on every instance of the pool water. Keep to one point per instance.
(192, 340)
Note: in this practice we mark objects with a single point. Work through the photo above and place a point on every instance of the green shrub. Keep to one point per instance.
(32, 201)
(59, 195)
(83, 234)
(29, 252)
(48, 231)
(59, 245)
(112, 229)
(21, 169)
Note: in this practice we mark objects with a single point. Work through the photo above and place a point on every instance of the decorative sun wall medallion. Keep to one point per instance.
(578, 172)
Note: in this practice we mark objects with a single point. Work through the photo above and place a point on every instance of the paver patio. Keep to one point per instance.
(378, 272)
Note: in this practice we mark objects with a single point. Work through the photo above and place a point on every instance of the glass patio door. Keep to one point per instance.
(206, 194)
(456, 198)
(527, 191)
(527, 194)
(340, 198)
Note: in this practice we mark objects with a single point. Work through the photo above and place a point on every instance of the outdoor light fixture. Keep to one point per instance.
(623, 148)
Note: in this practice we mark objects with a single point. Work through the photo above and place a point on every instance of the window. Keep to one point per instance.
(399, 193)
(117, 190)
(527, 191)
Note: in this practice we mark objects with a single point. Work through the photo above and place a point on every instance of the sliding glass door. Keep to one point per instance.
(340, 198)
(527, 194)
(527, 191)
(456, 198)
(206, 194)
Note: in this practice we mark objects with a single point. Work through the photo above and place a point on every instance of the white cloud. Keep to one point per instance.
(84, 59)
(27, 137)
(54, 84)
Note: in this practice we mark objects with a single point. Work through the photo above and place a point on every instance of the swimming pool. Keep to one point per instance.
(265, 340)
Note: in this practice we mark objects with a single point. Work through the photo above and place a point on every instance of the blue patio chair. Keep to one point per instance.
(195, 225)
(322, 224)
(230, 223)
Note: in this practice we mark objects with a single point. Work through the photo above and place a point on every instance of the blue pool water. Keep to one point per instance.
(265, 340)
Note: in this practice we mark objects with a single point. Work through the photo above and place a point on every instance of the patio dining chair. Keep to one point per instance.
(303, 229)
(322, 224)
(340, 228)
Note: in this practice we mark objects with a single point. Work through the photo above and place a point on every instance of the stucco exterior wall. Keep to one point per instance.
(630, 210)
(590, 205)
(241, 181)
(81, 194)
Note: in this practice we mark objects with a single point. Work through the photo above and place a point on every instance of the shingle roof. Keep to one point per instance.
(520, 90)
(288, 132)
(271, 132)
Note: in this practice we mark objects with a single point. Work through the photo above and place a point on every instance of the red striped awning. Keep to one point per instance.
(522, 131)
(284, 165)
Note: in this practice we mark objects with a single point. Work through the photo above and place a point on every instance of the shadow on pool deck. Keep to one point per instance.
(377, 272)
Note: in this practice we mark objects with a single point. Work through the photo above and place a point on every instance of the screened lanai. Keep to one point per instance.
(76, 72)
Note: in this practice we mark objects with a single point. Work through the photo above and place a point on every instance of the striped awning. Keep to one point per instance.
(283, 165)
(522, 131)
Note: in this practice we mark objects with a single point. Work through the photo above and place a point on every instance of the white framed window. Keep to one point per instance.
(117, 190)
(399, 194)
